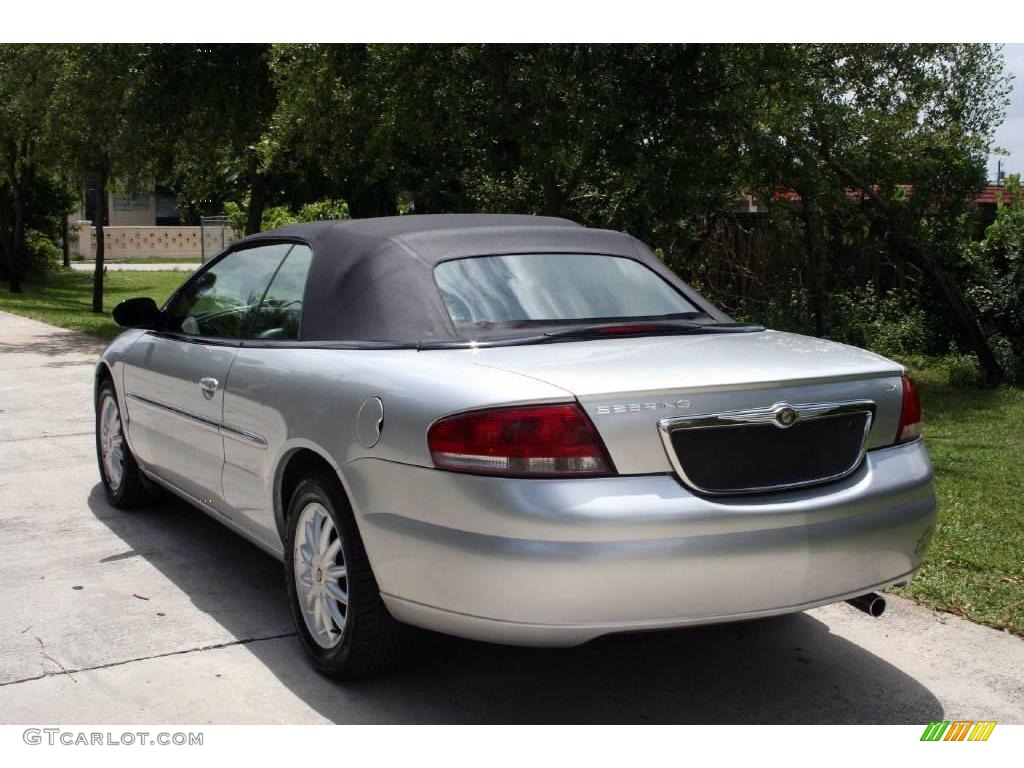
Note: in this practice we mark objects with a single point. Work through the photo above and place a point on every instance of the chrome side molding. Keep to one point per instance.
(227, 430)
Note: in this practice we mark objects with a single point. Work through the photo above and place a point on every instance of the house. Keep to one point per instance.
(145, 225)
(157, 207)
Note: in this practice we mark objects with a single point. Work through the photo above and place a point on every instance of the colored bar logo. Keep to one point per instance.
(958, 730)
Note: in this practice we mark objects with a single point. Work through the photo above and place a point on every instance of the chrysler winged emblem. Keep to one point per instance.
(785, 416)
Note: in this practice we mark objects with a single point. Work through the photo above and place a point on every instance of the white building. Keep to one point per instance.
(144, 225)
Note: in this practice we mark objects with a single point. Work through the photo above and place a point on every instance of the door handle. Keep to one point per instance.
(208, 385)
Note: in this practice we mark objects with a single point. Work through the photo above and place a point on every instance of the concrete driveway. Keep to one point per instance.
(161, 615)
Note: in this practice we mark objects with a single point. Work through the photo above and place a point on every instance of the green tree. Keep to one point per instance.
(997, 284)
(637, 136)
(331, 118)
(104, 134)
(891, 137)
(28, 74)
(215, 102)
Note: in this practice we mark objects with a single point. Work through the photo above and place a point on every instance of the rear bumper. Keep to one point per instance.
(558, 562)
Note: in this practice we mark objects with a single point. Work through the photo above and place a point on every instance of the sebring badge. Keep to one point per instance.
(660, 405)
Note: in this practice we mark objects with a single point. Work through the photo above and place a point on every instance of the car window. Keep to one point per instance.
(552, 288)
(280, 312)
(220, 301)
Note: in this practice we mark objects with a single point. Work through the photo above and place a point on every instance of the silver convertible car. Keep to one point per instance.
(509, 428)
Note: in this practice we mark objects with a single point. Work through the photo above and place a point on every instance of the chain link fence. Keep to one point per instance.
(215, 233)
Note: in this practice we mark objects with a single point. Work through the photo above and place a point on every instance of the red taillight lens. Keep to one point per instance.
(532, 441)
(910, 415)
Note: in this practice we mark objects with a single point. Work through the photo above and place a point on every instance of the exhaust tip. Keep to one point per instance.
(872, 604)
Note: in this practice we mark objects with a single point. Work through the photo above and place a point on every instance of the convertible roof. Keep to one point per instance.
(372, 279)
(392, 228)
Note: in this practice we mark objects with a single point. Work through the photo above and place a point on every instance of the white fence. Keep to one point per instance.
(153, 242)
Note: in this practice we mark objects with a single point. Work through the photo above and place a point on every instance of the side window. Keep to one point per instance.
(220, 301)
(280, 312)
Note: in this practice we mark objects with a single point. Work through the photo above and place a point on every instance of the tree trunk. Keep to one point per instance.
(17, 241)
(257, 203)
(6, 224)
(97, 275)
(15, 237)
(962, 313)
(554, 200)
(257, 195)
(5, 254)
(372, 200)
(814, 267)
(65, 246)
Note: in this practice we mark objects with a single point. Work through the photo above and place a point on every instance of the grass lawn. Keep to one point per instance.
(65, 298)
(975, 565)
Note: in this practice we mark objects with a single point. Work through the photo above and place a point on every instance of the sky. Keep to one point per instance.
(1010, 135)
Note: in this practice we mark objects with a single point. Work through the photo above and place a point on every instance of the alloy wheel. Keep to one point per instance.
(111, 442)
(321, 578)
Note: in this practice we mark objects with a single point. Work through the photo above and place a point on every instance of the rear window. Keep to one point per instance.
(527, 290)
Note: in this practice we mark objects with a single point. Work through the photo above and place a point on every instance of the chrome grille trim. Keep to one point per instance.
(727, 419)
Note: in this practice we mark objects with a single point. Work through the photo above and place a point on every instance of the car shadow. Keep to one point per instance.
(784, 670)
(55, 345)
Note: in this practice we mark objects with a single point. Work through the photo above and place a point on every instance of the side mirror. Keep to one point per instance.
(137, 313)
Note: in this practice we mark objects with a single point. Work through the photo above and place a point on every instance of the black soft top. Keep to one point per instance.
(373, 280)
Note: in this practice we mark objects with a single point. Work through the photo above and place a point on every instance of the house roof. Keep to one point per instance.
(988, 196)
(992, 195)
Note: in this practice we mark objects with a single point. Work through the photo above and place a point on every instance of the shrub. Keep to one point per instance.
(279, 215)
(276, 216)
(324, 209)
(236, 213)
(42, 255)
(963, 371)
(885, 323)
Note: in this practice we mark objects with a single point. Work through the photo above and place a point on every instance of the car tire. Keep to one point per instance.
(122, 479)
(347, 639)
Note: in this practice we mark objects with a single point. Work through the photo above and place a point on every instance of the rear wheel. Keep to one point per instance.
(122, 480)
(334, 597)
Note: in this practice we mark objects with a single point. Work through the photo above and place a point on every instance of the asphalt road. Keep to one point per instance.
(161, 615)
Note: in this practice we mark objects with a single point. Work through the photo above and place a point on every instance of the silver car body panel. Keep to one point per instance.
(173, 422)
(310, 399)
(551, 562)
(559, 562)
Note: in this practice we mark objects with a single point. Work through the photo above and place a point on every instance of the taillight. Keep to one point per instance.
(531, 441)
(910, 414)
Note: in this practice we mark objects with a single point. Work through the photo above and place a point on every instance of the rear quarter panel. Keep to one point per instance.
(310, 398)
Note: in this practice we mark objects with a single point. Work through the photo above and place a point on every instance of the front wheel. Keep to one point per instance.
(335, 601)
(122, 480)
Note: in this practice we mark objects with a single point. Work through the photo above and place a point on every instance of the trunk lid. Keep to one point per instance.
(628, 385)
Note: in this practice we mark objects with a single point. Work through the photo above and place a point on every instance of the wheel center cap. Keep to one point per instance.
(319, 574)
